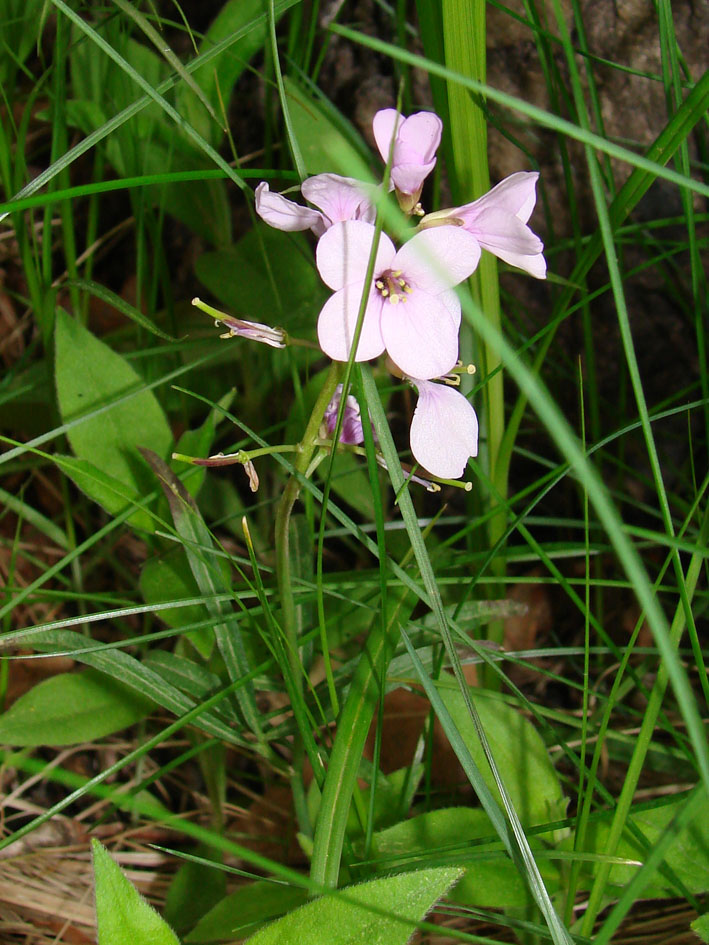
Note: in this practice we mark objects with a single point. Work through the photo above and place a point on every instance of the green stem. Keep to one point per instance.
(289, 621)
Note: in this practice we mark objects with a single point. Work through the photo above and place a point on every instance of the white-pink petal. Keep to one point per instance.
(444, 430)
(342, 254)
(385, 125)
(516, 194)
(284, 214)
(438, 258)
(420, 134)
(420, 334)
(339, 198)
(409, 178)
(338, 320)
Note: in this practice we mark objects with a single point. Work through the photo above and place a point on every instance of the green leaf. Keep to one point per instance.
(110, 493)
(132, 673)
(491, 879)
(217, 79)
(130, 311)
(246, 910)
(194, 892)
(323, 146)
(380, 912)
(170, 578)
(94, 381)
(687, 857)
(701, 927)
(199, 547)
(276, 276)
(121, 912)
(519, 751)
(71, 708)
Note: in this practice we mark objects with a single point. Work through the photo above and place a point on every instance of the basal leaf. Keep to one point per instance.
(94, 381)
(246, 910)
(122, 914)
(380, 912)
(453, 834)
(71, 708)
(519, 752)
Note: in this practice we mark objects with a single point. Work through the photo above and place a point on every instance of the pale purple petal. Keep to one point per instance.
(516, 194)
(421, 335)
(450, 299)
(506, 236)
(420, 134)
(444, 430)
(339, 198)
(342, 254)
(438, 258)
(284, 214)
(416, 142)
(385, 124)
(409, 178)
(337, 321)
(351, 429)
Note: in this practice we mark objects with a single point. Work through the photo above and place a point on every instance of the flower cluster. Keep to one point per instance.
(411, 310)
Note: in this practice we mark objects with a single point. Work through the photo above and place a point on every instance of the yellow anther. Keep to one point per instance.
(394, 299)
(379, 284)
(402, 283)
(385, 292)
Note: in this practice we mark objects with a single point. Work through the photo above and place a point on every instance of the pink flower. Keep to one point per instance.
(444, 430)
(410, 309)
(339, 198)
(351, 431)
(416, 141)
(498, 221)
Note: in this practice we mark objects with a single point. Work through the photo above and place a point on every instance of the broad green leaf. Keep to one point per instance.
(196, 889)
(246, 910)
(112, 494)
(324, 147)
(701, 927)
(347, 917)
(217, 79)
(688, 857)
(122, 915)
(132, 673)
(72, 708)
(519, 752)
(491, 879)
(170, 578)
(277, 280)
(92, 377)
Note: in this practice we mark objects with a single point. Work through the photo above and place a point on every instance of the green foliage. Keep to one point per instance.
(71, 708)
(519, 752)
(463, 836)
(323, 145)
(246, 910)
(122, 913)
(380, 912)
(109, 413)
(701, 927)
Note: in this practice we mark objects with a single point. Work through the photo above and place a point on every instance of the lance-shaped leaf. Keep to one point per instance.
(199, 547)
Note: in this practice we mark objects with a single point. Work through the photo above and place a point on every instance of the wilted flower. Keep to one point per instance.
(444, 430)
(254, 331)
(498, 221)
(416, 141)
(351, 430)
(339, 198)
(410, 309)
